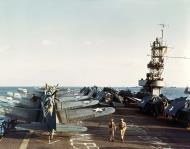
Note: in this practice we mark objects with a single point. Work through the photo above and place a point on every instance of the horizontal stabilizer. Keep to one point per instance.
(42, 127)
(69, 128)
(32, 126)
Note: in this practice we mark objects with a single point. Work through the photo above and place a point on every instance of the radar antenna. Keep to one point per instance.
(162, 30)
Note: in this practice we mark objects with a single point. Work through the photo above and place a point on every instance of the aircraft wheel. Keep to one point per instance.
(155, 114)
(2, 129)
(188, 124)
(178, 115)
(146, 109)
(6, 125)
(140, 109)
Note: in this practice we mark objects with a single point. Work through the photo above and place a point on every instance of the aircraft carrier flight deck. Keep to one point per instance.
(143, 132)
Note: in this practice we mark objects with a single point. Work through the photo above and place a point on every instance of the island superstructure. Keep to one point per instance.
(154, 81)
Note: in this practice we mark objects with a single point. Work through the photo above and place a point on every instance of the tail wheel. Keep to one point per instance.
(177, 116)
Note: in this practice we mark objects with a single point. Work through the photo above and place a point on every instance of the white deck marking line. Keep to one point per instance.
(54, 142)
(48, 142)
(83, 140)
(24, 144)
(40, 137)
(25, 141)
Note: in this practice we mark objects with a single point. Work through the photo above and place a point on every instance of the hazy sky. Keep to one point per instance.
(87, 42)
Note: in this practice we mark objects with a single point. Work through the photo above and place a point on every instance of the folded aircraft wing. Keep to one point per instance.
(135, 99)
(81, 114)
(67, 94)
(28, 114)
(76, 104)
(73, 98)
(32, 126)
(175, 107)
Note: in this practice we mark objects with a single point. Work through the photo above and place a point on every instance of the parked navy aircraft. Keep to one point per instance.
(4, 124)
(154, 105)
(187, 90)
(179, 109)
(63, 94)
(50, 114)
(71, 96)
(176, 105)
(106, 96)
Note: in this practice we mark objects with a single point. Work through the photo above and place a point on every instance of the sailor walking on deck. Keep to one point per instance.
(112, 129)
(122, 128)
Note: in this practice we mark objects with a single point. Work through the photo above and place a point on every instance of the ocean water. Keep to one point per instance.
(173, 93)
(170, 92)
(4, 90)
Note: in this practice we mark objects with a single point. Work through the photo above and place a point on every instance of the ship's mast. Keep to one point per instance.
(154, 81)
(162, 30)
